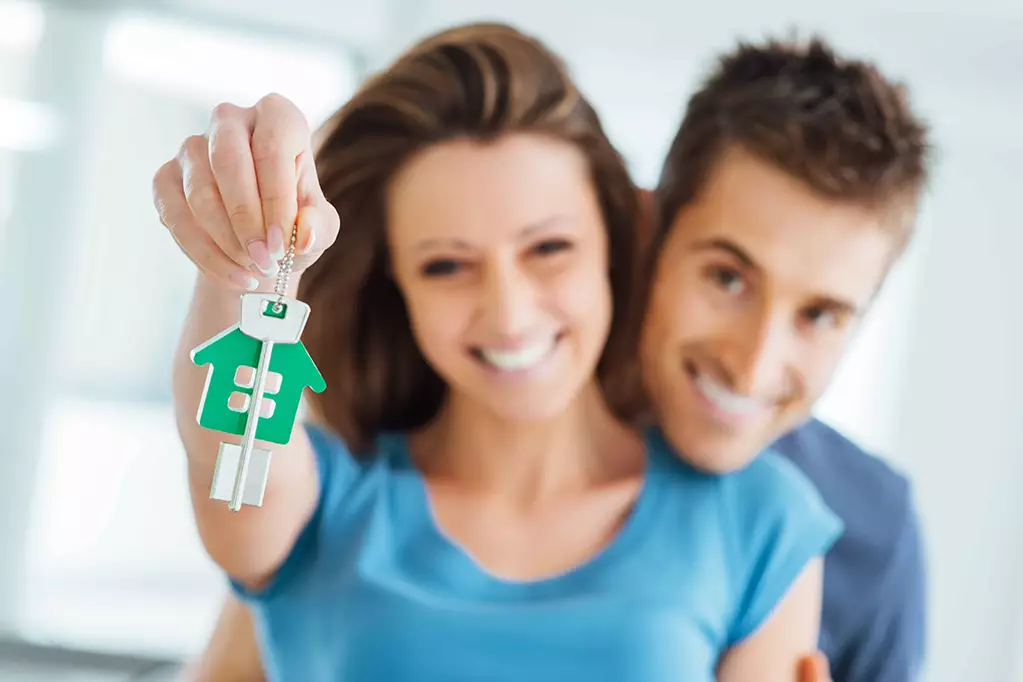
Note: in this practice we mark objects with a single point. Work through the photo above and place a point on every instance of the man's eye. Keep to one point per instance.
(821, 318)
(440, 267)
(551, 246)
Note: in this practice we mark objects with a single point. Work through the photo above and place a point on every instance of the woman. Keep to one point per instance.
(467, 504)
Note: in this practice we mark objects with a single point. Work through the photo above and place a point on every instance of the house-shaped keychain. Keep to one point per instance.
(259, 370)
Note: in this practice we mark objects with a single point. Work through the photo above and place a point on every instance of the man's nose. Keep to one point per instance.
(757, 358)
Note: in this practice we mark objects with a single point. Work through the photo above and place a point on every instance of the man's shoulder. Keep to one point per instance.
(873, 499)
(877, 556)
(845, 473)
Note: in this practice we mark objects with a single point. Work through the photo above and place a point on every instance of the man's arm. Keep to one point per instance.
(232, 654)
(888, 646)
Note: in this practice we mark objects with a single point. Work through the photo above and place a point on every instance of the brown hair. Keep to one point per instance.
(479, 82)
(838, 125)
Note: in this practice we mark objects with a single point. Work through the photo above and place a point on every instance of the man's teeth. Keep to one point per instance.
(724, 399)
(519, 359)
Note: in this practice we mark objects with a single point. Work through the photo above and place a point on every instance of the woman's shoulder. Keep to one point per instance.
(774, 481)
(341, 467)
(767, 497)
(768, 519)
(333, 456)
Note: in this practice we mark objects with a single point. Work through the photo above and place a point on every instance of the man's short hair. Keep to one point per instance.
(837, 125)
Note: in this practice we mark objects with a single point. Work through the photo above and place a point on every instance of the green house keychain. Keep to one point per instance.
(262, 367)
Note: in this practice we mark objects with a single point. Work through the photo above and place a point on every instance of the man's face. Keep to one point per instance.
(758, 289)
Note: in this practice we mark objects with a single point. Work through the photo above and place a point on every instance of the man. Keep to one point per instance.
(789, 191)
(874, 613)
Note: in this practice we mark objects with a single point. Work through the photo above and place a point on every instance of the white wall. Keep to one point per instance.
(961, 428)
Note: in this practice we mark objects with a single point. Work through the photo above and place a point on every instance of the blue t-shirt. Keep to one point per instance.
(875, 592)
(373, 590)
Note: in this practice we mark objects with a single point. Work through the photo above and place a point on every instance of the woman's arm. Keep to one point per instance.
(209, 199)
(775, 651)
(232, 654)
(249, 545)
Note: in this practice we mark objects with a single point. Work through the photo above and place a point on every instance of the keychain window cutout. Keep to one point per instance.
(245, 377)
(238, 402)
(266, 408)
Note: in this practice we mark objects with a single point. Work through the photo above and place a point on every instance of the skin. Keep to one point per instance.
(240, 207)
(559, 469)
(759, 288)
(521, 265)
(506, 270)
(232, 654)
(509, 277)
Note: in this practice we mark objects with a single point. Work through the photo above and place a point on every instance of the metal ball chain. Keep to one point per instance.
(284, 271)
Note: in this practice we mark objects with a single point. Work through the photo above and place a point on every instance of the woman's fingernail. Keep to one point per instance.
(275, 242)
(309, 241)
(260, 255)
(244, 280)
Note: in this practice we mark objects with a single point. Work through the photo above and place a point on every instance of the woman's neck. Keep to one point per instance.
(470, 446)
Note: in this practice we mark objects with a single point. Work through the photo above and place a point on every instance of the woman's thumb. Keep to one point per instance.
(317, 221)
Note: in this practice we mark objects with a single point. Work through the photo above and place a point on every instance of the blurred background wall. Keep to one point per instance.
(97, 547)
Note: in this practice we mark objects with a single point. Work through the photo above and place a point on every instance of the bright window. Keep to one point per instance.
(115, 561)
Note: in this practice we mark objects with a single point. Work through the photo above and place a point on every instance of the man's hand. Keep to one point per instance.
(814, 669)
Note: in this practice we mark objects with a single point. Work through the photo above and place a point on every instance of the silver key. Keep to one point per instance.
(268, 317)
(271, 319)
(226, 475)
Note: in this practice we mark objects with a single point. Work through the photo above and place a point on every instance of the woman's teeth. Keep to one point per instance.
(522, 358)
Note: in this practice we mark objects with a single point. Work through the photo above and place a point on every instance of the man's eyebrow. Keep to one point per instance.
(727, 245)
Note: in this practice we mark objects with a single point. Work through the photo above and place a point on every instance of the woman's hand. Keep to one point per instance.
(231, 196)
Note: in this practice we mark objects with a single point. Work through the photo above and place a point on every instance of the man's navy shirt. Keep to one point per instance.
(873, 621)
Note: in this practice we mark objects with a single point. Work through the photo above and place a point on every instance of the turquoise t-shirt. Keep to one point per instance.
(373, 591)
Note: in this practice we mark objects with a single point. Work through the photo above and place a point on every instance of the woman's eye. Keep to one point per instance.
(727, 278)
(440, 267)
(551, 246)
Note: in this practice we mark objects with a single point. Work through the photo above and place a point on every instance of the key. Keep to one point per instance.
(268, 321)
(271, 320)
(249, 439)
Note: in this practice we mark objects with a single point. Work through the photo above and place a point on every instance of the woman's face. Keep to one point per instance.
(500, 252)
